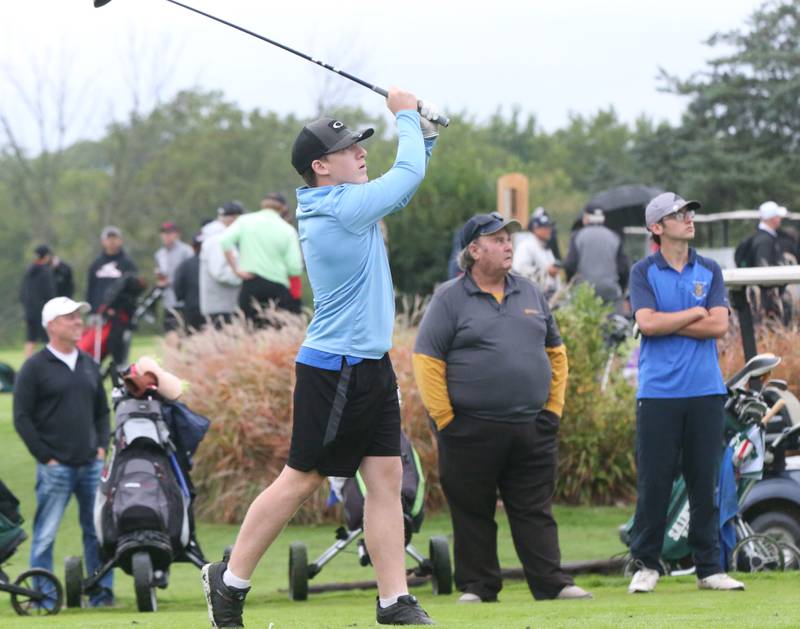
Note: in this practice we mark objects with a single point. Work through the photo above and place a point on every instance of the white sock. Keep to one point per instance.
(232, 581)
(386, 602)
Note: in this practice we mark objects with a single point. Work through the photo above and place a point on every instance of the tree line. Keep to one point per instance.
(735, 146)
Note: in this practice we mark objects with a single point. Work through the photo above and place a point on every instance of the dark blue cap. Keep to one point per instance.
(486, 224)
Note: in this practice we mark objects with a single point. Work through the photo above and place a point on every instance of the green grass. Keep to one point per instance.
(586, 533)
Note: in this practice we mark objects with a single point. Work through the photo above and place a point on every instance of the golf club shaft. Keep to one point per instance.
(441, 119)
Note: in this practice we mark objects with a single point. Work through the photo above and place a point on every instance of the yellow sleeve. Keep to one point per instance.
(558, 381)
(430, 375)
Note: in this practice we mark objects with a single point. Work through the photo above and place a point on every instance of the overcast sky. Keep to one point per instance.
(549, 58)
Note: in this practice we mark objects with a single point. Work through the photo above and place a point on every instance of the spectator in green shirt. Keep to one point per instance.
(268, 260)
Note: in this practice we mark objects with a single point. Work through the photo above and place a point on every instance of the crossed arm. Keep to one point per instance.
(697, 322)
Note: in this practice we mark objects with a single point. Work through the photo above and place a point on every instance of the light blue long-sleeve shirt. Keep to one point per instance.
(345, 255)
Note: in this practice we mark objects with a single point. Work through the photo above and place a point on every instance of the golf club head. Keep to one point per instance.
(100, 3)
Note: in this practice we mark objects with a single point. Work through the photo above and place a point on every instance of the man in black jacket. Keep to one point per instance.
(38, 286)
(769, 248)
(107, 276)
(186, 285)
(61, 413)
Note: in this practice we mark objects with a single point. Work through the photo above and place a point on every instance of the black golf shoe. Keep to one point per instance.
(225, 604)
(406, 611)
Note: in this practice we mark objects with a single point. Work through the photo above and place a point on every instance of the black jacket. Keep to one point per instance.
(62, 274)
(38, 287)
(186, 284)
(106, 270)
(61, 414)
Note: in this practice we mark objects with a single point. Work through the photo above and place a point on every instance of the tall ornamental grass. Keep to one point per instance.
(242, 379)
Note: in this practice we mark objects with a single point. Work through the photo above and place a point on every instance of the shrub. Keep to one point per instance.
(596, 449)
(242, 379)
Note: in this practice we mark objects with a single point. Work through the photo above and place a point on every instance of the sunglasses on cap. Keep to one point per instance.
(680, 215)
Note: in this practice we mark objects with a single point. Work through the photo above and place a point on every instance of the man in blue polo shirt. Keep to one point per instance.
(678, 299)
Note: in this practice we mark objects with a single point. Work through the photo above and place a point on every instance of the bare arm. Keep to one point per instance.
(654, 323)
(230, 256)
(714, 326)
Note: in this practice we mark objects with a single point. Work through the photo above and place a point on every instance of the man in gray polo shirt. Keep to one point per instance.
(492, 372)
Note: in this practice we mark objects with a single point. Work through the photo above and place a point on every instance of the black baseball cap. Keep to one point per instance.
(230, 208)
(41, 251)
(322, 137)
(485, 225)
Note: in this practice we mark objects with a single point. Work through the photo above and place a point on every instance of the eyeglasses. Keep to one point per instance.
(680, 215)
(479, 224)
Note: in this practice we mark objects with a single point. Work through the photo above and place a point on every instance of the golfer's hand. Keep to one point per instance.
(427, 113)
(398, 99)
(245, 275)
(101, 454)
(52, 462)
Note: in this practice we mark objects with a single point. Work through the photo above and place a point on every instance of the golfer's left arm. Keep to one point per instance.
(364, 205)
(715, 325)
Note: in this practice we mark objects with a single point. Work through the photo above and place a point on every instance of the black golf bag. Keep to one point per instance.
(140, 502)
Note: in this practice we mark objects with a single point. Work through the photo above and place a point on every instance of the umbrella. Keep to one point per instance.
(623, 205)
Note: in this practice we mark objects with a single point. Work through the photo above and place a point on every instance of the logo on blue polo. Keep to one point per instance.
(699, 288)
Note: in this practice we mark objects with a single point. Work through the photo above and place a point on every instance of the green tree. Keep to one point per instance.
(740, 135)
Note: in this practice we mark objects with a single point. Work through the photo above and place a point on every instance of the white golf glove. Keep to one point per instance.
(428, 111)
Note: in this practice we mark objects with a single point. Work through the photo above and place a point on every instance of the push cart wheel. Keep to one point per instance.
(756, 553)
(73, 580)
(442, 572)
(298, 571)
(791, 556)
(44, 597)
(142, 569)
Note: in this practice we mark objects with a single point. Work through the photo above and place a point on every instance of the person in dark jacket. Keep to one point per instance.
(186, 285)
(62, 276)
(769, 247)
(61, 413)
(108, 267)
(109, 274)
(38, 286)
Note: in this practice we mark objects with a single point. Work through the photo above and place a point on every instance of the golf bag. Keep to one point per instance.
(412, 493)
(11, 533)
(144, 497)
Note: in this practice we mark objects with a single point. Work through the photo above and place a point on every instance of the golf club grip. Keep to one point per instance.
(440, 119)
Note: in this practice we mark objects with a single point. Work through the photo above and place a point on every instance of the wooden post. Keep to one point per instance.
(512, 197)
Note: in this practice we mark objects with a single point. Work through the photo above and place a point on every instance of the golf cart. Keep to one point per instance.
(772, 507)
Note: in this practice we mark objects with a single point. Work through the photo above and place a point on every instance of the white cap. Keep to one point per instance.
(770, 209)
(59, 306)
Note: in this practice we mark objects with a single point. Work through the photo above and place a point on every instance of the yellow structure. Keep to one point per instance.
(512, 197)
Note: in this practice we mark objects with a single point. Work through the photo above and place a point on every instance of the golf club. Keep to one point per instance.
(440, 119)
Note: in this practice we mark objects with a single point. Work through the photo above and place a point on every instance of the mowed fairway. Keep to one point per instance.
(771, 600)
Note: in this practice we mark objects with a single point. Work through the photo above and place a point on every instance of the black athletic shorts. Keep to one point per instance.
(342, 416)
(34, 332)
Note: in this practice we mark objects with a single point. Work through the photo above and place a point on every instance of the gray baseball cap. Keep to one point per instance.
(664, 204)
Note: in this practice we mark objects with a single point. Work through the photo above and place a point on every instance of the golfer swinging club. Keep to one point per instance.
(346, 409)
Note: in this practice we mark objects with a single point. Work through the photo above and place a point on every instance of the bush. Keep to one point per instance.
(596, 449)
(242, 379)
